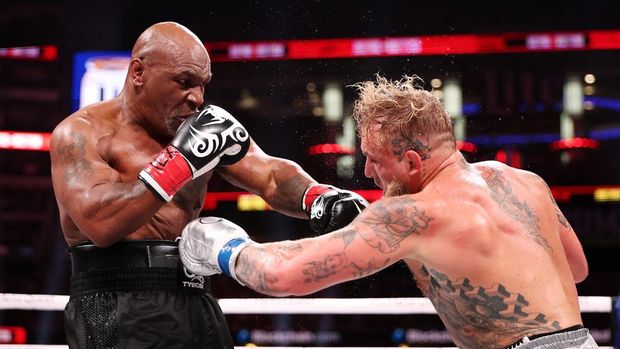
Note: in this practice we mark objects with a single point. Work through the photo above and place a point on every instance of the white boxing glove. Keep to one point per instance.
(211, 245)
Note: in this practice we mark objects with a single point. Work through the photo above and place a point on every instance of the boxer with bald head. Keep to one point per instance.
(129, 173)
(486, 243)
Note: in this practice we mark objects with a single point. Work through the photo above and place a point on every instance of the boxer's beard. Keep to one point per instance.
(172, 125)
(395, 189)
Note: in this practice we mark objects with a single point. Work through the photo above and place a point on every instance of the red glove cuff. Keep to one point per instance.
(313, 192)
(167, 173)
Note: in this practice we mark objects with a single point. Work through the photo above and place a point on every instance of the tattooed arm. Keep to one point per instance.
(574, 253)
(90, 192)
(570, 242)
(380, 236)
(572, 247)
(279, 181)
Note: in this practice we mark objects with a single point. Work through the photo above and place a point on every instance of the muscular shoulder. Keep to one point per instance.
(494, 171)
(92, 118)
(88, 123)
(486, 166)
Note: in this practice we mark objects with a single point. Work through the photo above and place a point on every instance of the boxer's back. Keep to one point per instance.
(494, 267)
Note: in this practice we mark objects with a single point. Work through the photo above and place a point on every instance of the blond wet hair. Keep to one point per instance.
(394, 109)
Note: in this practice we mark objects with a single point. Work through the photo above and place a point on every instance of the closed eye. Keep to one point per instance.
(369, 158)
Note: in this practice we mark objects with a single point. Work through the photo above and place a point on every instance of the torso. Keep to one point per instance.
(128, 149)
(495, 268)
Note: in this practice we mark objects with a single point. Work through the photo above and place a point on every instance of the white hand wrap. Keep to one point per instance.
(211, 245)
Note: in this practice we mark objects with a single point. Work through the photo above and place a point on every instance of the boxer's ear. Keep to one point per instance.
(136, 71)
(413, 161)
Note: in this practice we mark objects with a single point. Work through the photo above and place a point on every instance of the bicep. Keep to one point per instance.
(77, 167)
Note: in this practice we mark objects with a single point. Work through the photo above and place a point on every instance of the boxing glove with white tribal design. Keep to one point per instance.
(209, 138)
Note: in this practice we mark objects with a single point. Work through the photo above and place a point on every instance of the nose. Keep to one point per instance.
(196, 97)
(368, 169)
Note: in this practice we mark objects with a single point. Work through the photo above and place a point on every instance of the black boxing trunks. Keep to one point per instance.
(137, 294)
(575, 337)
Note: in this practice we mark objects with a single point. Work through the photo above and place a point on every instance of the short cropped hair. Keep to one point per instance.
(402, 108)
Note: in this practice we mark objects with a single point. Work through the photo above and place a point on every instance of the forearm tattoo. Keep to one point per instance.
(479, 317)
(331, 264)
(288, 250)
(392, 222)
(520, 211)
(254, 265)
(318, 270)
(370, 267)
(72, 154)
(347, 235)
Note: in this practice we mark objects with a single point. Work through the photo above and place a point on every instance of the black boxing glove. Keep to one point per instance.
(210, 137)
(330, 208)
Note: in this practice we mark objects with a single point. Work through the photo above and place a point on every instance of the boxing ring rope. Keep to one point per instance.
(341, 306)
(58, 346)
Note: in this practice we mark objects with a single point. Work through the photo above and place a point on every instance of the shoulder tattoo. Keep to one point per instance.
(520, 211)
(72, 152)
